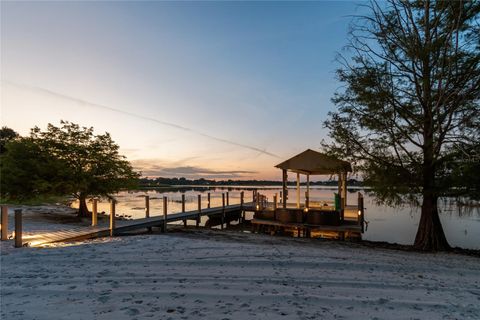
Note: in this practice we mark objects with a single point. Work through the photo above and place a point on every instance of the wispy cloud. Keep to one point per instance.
(151, 169)
(165, 123)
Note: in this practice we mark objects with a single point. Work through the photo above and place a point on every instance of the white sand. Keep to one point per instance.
(229, 275)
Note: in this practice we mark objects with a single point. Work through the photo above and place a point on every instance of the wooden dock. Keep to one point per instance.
(348, 229)
(125, 226)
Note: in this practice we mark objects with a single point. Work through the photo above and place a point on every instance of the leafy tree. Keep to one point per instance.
(6, 134)
(71, 160)
(410, 106)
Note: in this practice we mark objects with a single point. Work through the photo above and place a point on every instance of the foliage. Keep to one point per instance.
(66, 160)
(410, 103)
(6, 134)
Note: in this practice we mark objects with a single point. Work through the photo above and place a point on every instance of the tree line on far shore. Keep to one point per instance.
(160, 181)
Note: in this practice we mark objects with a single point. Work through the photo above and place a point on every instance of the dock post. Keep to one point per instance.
(223, 210)
(228, 198)
(147, 210)
(18, 228)
(361, 217)
(253, 196)
(199, 210)
(4, 223)
(208, 200)
(183, 210)
(164, 214)
(241, 206)
(112, 217)
(147, 206)
(94, 212)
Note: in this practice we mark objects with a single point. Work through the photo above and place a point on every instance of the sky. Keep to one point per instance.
(220, 90)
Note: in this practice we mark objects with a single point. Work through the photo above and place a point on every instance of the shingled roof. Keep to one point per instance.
(313, 162)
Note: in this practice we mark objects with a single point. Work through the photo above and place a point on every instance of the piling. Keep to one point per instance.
(18, 228)
(164, 214)
(183, 210)
(199, 210)
(112, 217)
(94, 212)
(4, 232)
(223, 210)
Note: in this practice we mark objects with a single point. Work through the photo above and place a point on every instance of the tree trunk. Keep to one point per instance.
(83, 209)
(430, 235)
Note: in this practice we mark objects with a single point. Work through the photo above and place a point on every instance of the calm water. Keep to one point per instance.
(395, 225)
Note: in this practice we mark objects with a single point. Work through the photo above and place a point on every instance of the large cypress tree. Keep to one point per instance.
(408, 115)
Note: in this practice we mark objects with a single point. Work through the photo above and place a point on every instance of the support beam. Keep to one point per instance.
(241, 206)
(199, 210)
(112, 217)
(223, 210)
(18, 228)
(307, 195)
(94, 212)
(361, 211)
(344, 190)
(183, 209)
(165, 209)
(284, 188)
(4, 223)
(298, 190)
(147, 206)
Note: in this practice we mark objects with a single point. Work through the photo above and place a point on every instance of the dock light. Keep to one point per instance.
(258, 207)
(305, 210)
(359, 212)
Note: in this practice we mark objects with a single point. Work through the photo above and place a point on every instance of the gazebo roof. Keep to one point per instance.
(313, 162)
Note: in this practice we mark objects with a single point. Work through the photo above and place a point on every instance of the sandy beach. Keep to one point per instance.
(212, 274)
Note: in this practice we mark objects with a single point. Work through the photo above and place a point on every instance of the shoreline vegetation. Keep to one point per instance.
(169, 182)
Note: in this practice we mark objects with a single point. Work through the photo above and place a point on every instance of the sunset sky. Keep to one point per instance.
(205, 89)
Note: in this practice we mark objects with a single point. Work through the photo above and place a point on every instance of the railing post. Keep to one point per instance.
(183, 210)
(228, 197)
(361, 217)
(275, 201)
(164, 214)
(94, 212)
(223, 210)
(307, 199)
(4, 223)
(253, 196)
(208, 200)
(18, 228)
(199, 210)
(241, 206)
(147, 206)
(112, 217)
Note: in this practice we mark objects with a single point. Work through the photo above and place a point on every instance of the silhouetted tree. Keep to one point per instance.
(411, 102)
(6, 134)
(66, 160)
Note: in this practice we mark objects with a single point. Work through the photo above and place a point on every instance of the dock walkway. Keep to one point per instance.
(82, 233)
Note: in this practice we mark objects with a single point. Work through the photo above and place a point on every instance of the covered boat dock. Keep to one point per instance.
(326, 217)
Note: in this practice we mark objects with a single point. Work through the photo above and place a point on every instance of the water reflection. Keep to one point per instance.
(395, 225)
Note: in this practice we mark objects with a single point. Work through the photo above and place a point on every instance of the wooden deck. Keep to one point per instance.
(348, 229)
(82, 233)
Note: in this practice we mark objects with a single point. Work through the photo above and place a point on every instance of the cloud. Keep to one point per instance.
(165, 123)
(149, 169)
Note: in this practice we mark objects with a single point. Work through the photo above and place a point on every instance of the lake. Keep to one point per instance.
(394, 225)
